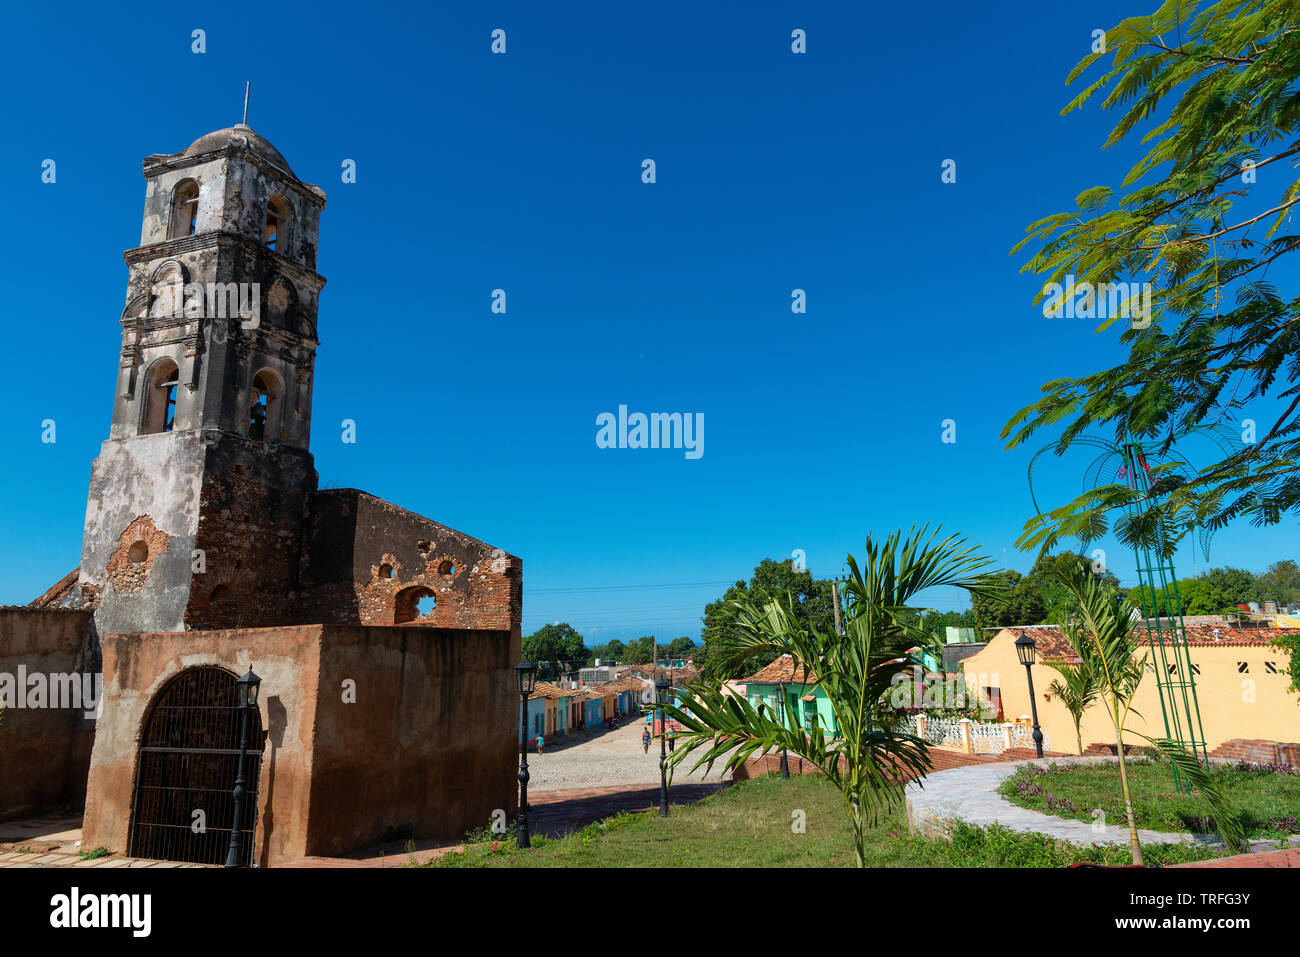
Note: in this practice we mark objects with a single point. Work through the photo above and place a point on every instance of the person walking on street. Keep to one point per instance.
(539, 744)
(645, 740)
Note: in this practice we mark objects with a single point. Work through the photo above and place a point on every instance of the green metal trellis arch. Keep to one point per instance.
(1167, 634)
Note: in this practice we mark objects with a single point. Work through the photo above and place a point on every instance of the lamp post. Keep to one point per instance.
(661, 689)
(525, 678)
(780, 699)
(248, 686)
(1025, 648)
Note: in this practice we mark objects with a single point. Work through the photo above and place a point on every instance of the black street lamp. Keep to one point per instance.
(1025, 649)
(780, 700)
(525, 679)
(661, 689)
(248, 686)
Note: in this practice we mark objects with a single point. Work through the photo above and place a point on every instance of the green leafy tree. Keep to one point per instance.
(1211, 90)
(642, 650)
(613, 650)
(556, 643)
(1057, 600)
(864, 756)
(1196, 595)
(1238, 586)
(680, 647)
(1281, 583)
(1021, 603)
(1034, 598)
(813, 605)
(1199, 597)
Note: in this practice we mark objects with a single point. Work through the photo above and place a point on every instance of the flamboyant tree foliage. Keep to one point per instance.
(1212, 88)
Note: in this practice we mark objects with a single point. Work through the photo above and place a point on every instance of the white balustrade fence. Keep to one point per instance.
(972, 737)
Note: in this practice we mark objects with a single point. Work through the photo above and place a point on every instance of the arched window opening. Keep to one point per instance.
(413, 603)
(264, 408)
(185, 210)
(138, 552)
(278, 214)
(385, 570)
(160, 398)
(447, 568)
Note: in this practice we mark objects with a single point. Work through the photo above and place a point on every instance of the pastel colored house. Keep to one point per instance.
(785, 677)
(536, 717)
(593, 708)
(623, 695)
(1241, 687)
(549, 713)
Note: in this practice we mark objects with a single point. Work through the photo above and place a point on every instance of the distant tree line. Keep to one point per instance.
(1034, 598)
(561, 642)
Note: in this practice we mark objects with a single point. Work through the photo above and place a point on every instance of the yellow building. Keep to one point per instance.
(1241, 686)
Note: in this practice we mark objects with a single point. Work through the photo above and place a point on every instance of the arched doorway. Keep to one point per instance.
(185, 773)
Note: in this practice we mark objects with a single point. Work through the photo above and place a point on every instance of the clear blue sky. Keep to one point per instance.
(523, 172)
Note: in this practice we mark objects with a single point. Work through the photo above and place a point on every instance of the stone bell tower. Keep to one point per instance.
(196, 499)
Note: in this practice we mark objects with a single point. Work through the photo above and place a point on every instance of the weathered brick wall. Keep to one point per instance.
(249, 534)
(368, 561)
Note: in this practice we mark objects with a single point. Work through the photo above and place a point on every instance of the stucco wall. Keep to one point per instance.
(367, 729)
(137, 666)
(1233, 704)
(44, 751)
(429, 741)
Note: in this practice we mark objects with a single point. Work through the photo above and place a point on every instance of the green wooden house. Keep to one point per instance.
(800, 689)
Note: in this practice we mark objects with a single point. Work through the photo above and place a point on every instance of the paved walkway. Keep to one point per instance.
(55, 841)
(599, 758)
(970, 794)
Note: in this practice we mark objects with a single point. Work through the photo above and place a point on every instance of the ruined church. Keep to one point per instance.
(384, 641)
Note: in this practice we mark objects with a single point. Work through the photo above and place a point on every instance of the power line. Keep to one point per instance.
(588, 588)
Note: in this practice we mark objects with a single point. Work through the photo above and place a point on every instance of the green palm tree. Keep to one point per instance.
(868, 761)
(1078, 692)
(1100, 630)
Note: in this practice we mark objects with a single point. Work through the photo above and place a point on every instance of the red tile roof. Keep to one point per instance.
(544, 689)
(782, 671)
(1052, 644)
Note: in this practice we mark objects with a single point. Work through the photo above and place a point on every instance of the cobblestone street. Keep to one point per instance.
(602, 759)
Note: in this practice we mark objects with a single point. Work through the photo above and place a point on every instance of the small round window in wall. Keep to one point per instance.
(138, 552)
(447, 568)
(385, 571)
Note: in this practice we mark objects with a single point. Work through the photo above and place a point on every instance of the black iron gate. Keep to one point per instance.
(183, 808)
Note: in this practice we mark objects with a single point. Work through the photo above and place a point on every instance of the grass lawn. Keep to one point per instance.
(1268, 797)
(750, 825)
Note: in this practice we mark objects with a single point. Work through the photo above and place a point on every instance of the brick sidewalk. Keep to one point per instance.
(1285, 858)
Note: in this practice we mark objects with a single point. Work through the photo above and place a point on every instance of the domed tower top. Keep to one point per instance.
(219, 329)
(232, 181)
(240, 137)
